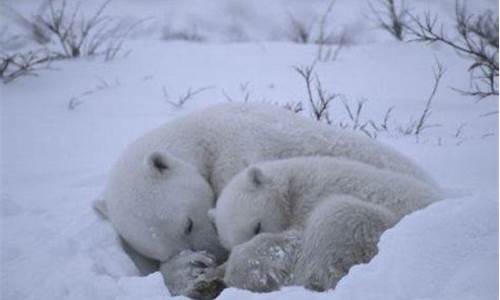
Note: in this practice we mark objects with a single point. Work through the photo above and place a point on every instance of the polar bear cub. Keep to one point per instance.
(336, 208)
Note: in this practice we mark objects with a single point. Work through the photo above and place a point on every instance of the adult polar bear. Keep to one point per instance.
(160, 189)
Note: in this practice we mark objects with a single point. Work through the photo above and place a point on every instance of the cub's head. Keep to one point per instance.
(159, 205)
(250, 204)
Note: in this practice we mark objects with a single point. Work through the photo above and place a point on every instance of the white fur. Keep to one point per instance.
(149, 203)
(341, 207)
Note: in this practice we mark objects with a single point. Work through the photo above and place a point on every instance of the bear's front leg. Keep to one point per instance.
(265, 263)
(342, 231)
(192, 274)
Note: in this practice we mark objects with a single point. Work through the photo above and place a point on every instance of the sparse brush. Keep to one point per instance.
(315, 31)
(184, 98)
(391, 17)
(75, 35)
(318, 98)
(169, 34)
(438, 75)
(300, 31)
(295, 107)
(476, 37)
(79, 36)
(244, 90)
(327, 51)
(13, 66)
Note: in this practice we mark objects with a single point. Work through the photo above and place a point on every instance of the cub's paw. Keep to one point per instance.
(206, 287)
(186, 270)
(263, 264)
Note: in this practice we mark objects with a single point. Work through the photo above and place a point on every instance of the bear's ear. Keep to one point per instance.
(257, 177)
(157, 162)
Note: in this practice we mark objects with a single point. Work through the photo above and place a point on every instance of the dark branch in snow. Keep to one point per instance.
(13, 66)
(78, 36)
(318, 98)
(391, 18)
(182, 99)
(476, 38)
(326, 50)
(421, 123)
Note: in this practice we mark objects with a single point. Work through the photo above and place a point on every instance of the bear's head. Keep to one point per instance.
(250, 204)
(159, 205)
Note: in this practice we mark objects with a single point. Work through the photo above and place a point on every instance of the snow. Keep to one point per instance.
(55, 159)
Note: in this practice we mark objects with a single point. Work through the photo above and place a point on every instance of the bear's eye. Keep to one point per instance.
(257, 229)
(189, 226)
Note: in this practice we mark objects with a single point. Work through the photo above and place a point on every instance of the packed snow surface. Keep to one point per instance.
(55, 159)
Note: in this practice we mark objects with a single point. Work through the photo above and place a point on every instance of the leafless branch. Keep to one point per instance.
(476, 38)
(80, 36)
(13, 66)
(459, 131)
(300, 30)
(491, 113)
(244, 90)
(295, 107)
(320, 100)
(421, 123)
(182, 99)
(354, 114)
(168, 33)
(103, 84)
(326, 50)
(390, 17)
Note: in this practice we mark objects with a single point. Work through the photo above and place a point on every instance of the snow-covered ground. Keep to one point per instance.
(55, 159)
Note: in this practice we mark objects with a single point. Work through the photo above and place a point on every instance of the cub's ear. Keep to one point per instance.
(211, 215)
(257, 177)
(158, 163)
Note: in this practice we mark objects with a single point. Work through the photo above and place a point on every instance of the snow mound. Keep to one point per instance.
(446, 251)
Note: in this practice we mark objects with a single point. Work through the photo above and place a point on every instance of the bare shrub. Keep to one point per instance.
(476, 37)
(327, 51)
(295, 107)
(391, 17)
(330, 52)
(103, 84)
(438, 74)
(30, 25)
(320, 103)
(354, 113)
(316, 31)
(300, 30)
(356, 121)
(189, 33)
(384, 124)
(13, 66)
(490, 113)
(245, 91)
(416, 127)
(319, 99)
(78, 36)
(184, 98)
(168, 33)
(75, 35)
